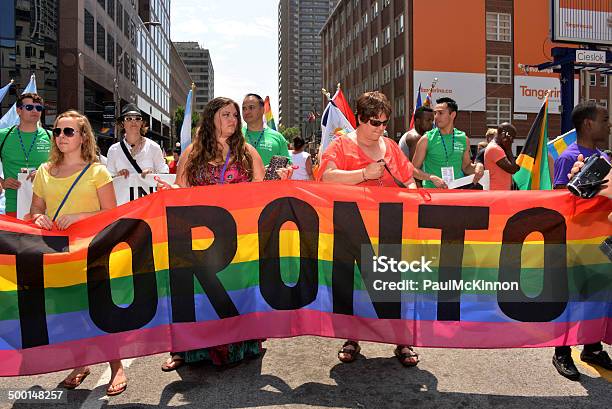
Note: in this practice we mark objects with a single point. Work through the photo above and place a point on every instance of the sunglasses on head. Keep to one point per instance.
(30, 107)
(376, 123)
(133, 118)
(69, 132)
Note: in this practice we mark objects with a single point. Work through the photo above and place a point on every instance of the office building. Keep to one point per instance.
(299, 59)
(199, 64)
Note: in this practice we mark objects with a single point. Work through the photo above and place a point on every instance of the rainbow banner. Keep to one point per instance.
(179, 270)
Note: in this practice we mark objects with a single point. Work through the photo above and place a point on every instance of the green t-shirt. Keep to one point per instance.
(443, 151)
(268, 143)
(35, 151)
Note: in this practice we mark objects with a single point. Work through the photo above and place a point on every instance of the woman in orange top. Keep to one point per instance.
(367, 158)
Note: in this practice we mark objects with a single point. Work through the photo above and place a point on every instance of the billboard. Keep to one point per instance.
(456, 57)
(532, 46)
(580, 21)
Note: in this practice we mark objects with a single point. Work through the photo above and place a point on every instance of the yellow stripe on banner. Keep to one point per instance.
(481, 254)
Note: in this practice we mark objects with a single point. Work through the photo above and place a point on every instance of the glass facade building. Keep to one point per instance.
(28, 45)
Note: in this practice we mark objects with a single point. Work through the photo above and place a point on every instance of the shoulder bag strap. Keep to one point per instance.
(70, 190)
(129, 156)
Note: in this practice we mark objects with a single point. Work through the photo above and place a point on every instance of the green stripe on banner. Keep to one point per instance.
(74, 298)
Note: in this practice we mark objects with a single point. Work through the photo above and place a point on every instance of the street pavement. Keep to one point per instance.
(304, 372)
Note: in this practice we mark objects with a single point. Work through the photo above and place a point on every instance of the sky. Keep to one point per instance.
(243, 42)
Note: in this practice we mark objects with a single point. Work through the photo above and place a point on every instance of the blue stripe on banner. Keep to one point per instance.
(423, 307)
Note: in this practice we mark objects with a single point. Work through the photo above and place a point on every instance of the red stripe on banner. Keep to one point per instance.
(286, 324)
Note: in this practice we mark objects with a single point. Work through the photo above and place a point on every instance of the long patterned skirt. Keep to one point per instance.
(224, 354)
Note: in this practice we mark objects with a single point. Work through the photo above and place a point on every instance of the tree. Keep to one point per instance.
(289, 133)
(179, 114)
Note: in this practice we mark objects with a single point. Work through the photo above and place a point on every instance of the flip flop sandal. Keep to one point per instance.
(118, 389)
(173, 365)
(404, 356)
(79, 378)
(352, 353)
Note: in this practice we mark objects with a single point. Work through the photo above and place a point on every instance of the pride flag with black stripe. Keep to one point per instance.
(533, 160)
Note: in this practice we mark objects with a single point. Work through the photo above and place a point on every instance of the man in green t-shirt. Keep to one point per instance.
(265, 140)
(24, 147)
(443, 154)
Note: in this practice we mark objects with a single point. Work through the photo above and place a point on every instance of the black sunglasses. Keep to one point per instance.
(30, 107)
(69, 132)
(377, 123)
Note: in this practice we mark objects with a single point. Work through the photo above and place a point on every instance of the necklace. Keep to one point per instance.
(137, 147)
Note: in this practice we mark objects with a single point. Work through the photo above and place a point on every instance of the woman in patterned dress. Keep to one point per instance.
(219, 154)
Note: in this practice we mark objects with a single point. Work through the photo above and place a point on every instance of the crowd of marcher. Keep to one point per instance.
(72, 180)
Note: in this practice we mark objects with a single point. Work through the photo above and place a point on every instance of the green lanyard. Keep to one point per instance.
(444, 145)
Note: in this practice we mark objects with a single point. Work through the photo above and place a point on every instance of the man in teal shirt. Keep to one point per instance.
(24, 147)
(265, 140)
(443, 154)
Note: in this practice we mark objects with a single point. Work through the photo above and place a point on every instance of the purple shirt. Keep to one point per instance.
(565, 161)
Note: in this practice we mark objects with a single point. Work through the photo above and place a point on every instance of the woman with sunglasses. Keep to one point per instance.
(219, 154)
(69, 188)
(134, 153)
(366, 157)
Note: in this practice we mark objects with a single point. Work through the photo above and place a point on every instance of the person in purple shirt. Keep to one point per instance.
(592, 124)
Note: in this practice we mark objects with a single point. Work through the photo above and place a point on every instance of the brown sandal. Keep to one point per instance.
(352, 353)
(173, 363)
(77, 380)
(407, 359)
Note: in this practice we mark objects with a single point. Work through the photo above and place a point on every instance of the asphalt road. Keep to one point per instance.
(304, 372)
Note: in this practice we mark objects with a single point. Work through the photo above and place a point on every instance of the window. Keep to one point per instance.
(603, 80)
(498, 111)
(386, 3)
(110, 49)
(119, 16)
(89, 29)
(499, 69)
(499, 27)
(364, 19)
(375, 45)
(375, 81)
(386, 74)
(400, 106)
(119, 59)
(365, 54)
(386, 35)
(110, 8)
(399, 25)
(399, 66)
(592, 79)
(603, 103)
(101, 3)
(375, 9)
(101, 40)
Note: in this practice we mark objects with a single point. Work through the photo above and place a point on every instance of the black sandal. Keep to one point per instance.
(173, 363)
(352, 353)
(404, 356)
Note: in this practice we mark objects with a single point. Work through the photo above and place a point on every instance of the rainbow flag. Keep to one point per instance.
(180, 270)
(268, 116)
(560, 143)
(416, 105)
(533, 160)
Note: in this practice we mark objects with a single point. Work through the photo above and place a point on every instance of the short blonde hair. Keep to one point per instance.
(491, 133)
(89, 147)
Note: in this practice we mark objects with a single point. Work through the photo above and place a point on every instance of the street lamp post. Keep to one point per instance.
(117, 96)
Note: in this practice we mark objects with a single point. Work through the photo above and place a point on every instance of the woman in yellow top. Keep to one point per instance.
(67, 189)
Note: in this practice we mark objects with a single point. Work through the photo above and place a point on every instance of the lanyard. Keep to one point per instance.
(444, 144)
(222, 178)
(256, 144)
(26, 154)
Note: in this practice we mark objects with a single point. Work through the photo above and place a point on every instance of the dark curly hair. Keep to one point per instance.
(205, 148)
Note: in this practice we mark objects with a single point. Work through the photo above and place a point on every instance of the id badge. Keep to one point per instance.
(27, 170)
(448, 174)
